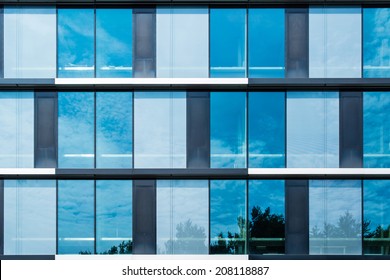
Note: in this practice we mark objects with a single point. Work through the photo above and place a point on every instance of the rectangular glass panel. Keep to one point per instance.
(29, 217)
(335, 42)
(76, 130)
(266, 43)
(313, 129)
(114, 43)
(335, 217)
(76, 43)
(376, 129)
(17, 129)
(180, 32)
(114, 129)
(376, 226)
(228, 43)
(30, 36)
(114, 221)
(182, 216)
(160, 129)
(266, 129)
(266, 225)
(376, 49)
(76, 217)
(228, 129)
(227, 217)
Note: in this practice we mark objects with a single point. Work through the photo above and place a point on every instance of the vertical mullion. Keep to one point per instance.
(56, 217)
(94, 133)
(1, 217)
(94, 211)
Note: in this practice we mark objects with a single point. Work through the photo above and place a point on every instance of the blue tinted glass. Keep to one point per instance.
(114, 129)
(376, 49)
(75, 217)
(227, 43)
(376, 226)
(376, 129)
(75, 43)
(266, 129)
(76, 129)
(266, 43)
(266, 216)
(114, 43)
(227, 217)
(228, 129)
(114, 217)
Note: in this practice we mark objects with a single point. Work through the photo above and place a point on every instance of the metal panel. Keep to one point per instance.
(45, 129)
(144, 46)
(351, 129)
(1, 217)
(198, 130)
(144, 217)
(297, 43)
(297, 217)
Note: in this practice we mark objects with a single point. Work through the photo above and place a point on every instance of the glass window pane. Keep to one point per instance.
(76, 43)
(376, 129)
(266, 129)
(376, 227)
(228, 43)
(376, 50)
(114, 217)
(17, 129)
(266, 43)
(75, 217)
(266, 216)
(180, 32)
(160, 129)
(29, 217)
(335, 217)
(227, 216)
(114, 43)
(228, 129)
(313, 129)
(30, 36)
(114, 129)
(335, 42)
(182, 216)
(76, 130)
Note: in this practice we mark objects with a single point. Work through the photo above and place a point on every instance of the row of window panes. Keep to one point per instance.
(187, 210)
(193, 42)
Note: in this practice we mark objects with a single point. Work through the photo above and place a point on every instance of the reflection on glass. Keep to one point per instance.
(228, 43)
(266, 43)
(114, 217)
(182, 217)
(76, 130)
(30, 36)
(182, 42)
(376, 129)
(376, 227)
(266, 129)
(114, 127)
(17, 129)
(114, 43)
(313, 129)
(228, 129)
(29, 217)
(160, 129)
(335, 42)
(75, 43)
(335, 217)
(266, 216)
(75, 217)
(376, 48)
(228, 216)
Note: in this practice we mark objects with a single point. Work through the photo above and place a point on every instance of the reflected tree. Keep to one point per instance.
(346, 227)
(233, 243)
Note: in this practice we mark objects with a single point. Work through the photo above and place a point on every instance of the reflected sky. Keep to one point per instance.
(266, 43)
(114, 43)
(266, 129)
(228, 129)
(377, 203)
